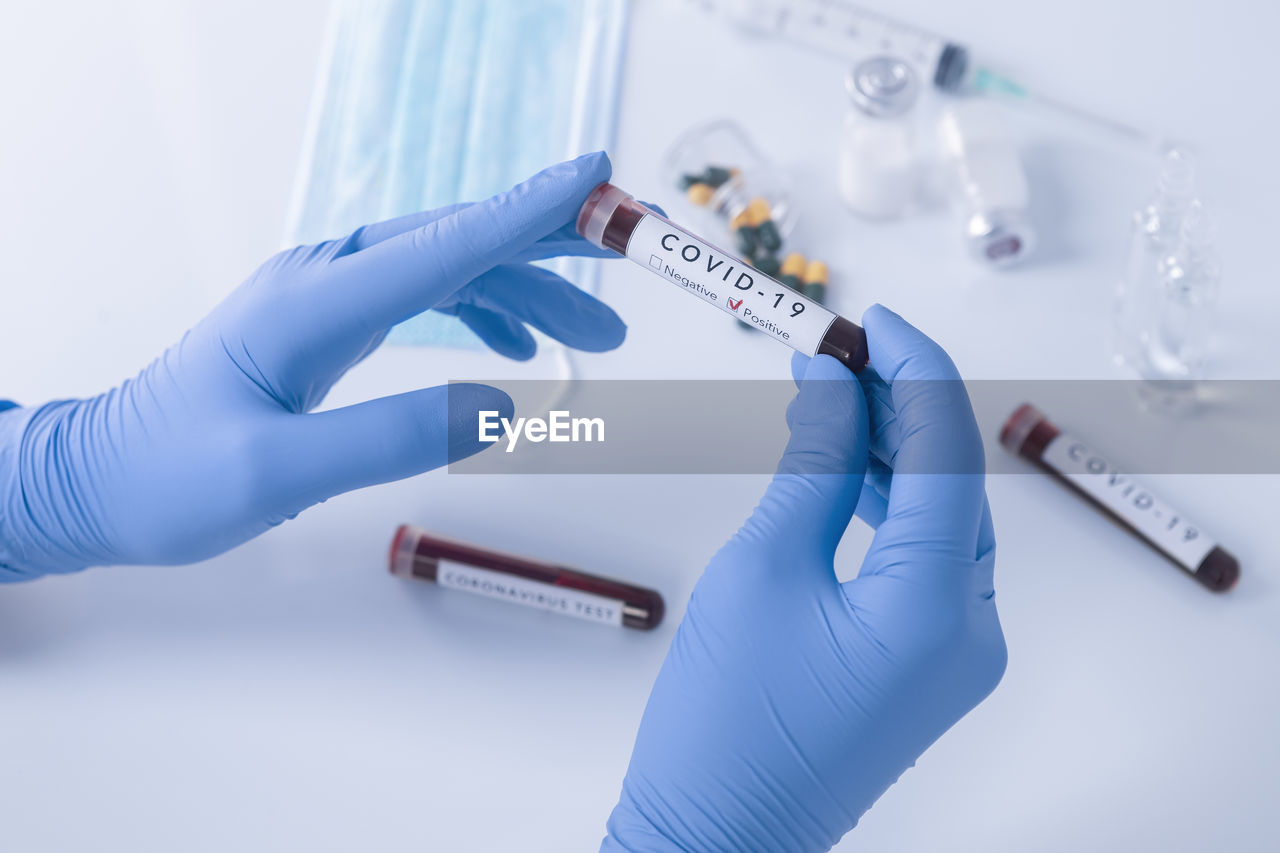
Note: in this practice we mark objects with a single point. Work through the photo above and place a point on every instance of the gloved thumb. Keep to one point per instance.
(814, 493)
(327, 453)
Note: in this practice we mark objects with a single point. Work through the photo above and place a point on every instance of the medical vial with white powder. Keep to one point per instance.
(612, 219)
(879, 166)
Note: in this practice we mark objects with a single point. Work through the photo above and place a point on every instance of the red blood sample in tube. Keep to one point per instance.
(1028, 433)
(612, 219)
(418, 554)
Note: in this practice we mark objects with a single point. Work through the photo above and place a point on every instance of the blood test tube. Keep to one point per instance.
(421, 555)
(612, 219)
(1028, 433)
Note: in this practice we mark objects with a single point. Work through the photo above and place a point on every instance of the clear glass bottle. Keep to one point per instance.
(1155, 228)
(1189, 277)
(879, 163)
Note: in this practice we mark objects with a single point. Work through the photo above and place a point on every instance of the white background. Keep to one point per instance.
(291, 695)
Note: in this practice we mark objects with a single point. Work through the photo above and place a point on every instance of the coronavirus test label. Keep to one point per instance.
(557, 599)
(715, 276)
(1156, 521)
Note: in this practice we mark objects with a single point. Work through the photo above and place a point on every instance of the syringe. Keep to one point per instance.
(851, 31)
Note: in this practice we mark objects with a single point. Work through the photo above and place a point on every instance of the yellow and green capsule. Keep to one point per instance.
(760, 216)
(744, 234)
(717, 175)
(769, 235)
(766, 262)
(792, 272)
(712, 176)
(700, 193)
(757, 211)
(815, 281)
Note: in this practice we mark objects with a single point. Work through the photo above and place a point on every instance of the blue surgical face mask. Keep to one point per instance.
(422, 103)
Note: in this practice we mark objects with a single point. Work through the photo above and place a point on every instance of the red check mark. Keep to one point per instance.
(735, 304)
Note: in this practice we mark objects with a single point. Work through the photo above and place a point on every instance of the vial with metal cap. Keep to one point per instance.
(879, 164)
(988, 182)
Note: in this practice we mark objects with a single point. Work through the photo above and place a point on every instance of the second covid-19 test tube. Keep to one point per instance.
(1031, 435)
(612, 219)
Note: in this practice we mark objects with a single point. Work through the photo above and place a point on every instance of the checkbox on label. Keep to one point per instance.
(655, 262)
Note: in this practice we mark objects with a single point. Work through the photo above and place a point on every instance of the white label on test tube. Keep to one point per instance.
(557, 599)
(1157, 522)
(717, 277)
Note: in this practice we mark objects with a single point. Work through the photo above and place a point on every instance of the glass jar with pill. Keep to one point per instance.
(733, 191)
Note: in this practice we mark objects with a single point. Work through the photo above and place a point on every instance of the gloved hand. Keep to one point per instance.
(788, 701)
(212, 444)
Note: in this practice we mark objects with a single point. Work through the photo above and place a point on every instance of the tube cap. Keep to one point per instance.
(404, 561)
(597, 210)
(1018, 428)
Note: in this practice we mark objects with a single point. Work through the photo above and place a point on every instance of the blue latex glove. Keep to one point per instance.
(789, 702)
(211, 444)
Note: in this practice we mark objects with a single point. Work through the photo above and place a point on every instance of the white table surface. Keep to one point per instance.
(290, 695)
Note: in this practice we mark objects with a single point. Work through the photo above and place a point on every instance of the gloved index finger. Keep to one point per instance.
(377, 232)
(937, 493)
(565, 240)
(392, 280)
(883, 421)
(819, 478)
